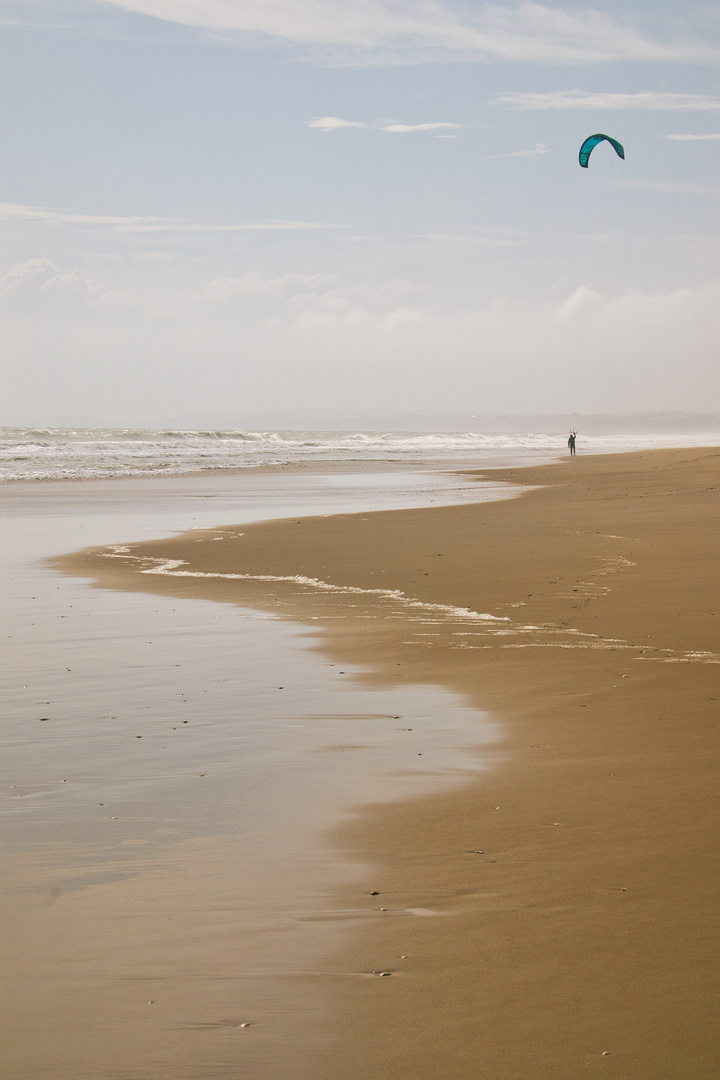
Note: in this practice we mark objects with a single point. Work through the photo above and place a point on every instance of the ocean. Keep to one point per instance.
(95, 453)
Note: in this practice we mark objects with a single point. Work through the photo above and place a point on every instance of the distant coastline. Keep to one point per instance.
(656, 422)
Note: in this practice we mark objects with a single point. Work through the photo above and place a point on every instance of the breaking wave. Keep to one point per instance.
(87, 453)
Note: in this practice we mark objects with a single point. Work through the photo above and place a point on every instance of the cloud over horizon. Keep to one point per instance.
(508, 355)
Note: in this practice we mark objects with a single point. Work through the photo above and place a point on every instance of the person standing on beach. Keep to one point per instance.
(571, 443)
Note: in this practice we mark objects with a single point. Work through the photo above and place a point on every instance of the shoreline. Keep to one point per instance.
(148, 860)
(556, 916)
(330, 466)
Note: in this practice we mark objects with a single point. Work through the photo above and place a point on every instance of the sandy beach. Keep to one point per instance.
(168, 773)
(553, 915)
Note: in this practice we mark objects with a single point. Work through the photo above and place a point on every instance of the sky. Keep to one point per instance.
(231, 206)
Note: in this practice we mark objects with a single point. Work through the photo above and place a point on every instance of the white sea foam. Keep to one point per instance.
(427, 613)
(86, 453)
(171, 568)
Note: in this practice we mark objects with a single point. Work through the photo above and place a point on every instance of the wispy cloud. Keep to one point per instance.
(134, 224)
(368, 31)
(648, 100)
(669, 187)
(258, 284)
(335, 123)
(403, 129)
(694, 138)
(199, 227)
(472, 239)
(537, 151)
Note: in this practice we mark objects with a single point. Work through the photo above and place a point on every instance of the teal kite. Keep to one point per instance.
(591, 142)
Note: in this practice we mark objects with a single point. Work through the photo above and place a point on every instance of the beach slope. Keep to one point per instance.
(557, 916)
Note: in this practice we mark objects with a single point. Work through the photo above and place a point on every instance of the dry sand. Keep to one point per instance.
(557, 917)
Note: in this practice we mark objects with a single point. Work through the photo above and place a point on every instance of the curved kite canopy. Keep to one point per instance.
(591, 142)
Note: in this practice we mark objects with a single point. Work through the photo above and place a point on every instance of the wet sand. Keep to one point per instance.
(167, 774)
(556, 916)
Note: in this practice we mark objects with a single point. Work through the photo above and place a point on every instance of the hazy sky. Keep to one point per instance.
(247, 204)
